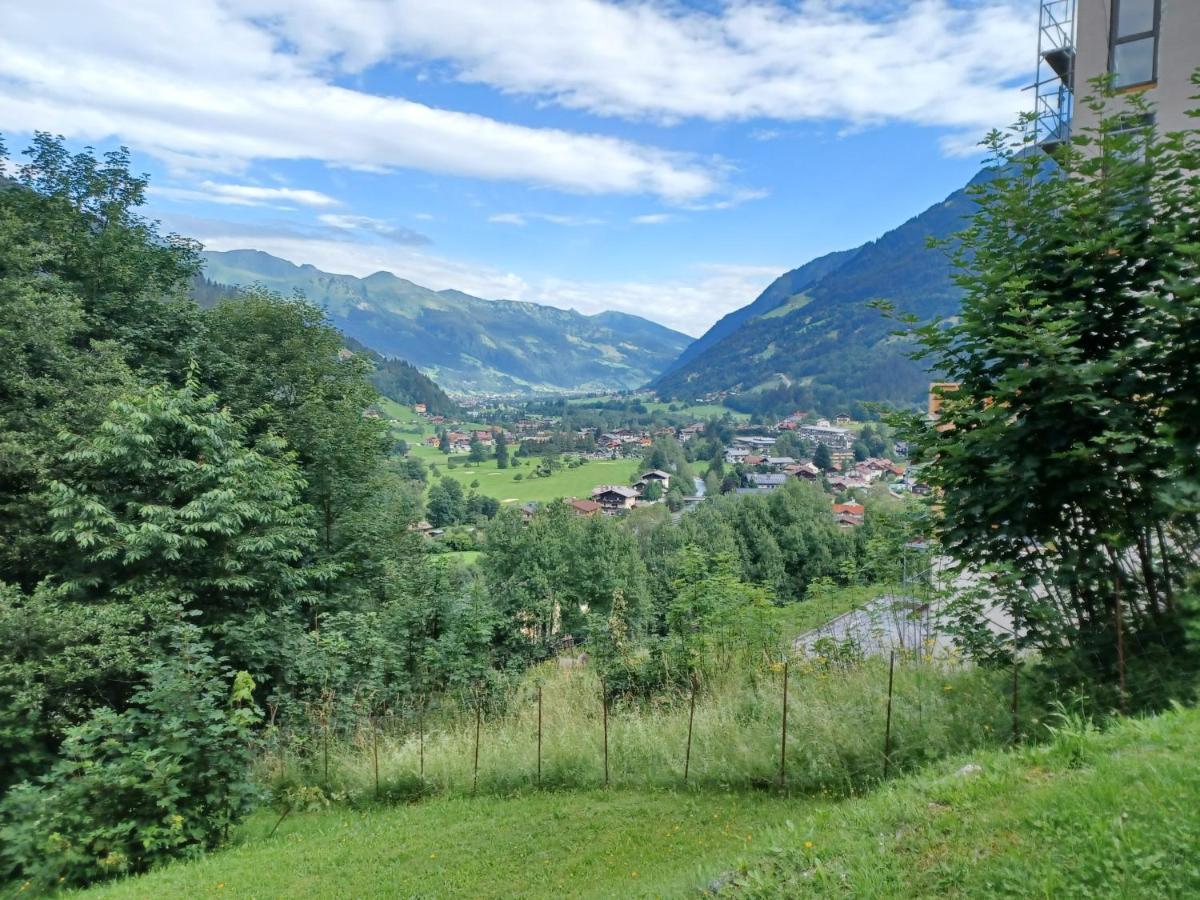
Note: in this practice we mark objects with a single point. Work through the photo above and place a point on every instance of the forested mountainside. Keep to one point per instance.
(467, 344)
(403, 382)
(812, 339)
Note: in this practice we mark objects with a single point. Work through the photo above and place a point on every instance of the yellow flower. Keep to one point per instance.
(433, 856)
(633, 874)
(808, 845)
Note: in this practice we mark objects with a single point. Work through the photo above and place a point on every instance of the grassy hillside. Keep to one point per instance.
(1085, 815)
(467, 344)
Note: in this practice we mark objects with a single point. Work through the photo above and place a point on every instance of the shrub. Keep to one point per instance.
(164, 778)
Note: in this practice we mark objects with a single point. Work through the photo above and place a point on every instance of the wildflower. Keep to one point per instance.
(808, 845)
(633, 874)
(433, 856)
(947, 688)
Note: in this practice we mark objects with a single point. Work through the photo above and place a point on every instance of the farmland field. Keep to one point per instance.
(499, 483)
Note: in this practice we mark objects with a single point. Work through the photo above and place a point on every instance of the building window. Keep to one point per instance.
(1133, 55)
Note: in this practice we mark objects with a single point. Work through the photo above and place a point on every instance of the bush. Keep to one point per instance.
(165, 778)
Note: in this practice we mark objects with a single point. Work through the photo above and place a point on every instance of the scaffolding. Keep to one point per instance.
(1055, 85)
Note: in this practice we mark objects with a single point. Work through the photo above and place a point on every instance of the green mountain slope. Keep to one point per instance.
(404, 383)
(777, 293)
(813, 340)
(470, 345)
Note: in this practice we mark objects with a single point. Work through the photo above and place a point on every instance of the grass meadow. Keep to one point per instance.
(835, 735)
(565, 482)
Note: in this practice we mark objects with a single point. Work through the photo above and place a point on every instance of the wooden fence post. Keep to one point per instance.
(375, 752)
(478, 721)
(887, 734)
(1016, 698)
(539, 747)
(687, 757)
(604, 700)
(783, 731)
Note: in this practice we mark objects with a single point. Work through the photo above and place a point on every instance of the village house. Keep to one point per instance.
(584, 508)
(615, 498)
(663, 478)
(420, 408)
(753, 459)
(802, 470)
(848, 515)
(735, 455)
(690, 431)
(779, 462)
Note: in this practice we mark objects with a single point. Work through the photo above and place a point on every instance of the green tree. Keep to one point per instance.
(444, 441)
(501, 450)
(446, 504)
(477, 453)
(1052, 458)
(163, 504)
(822, 458)
(169, 773)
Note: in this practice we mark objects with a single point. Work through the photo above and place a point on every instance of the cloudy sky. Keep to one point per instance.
(657, 157)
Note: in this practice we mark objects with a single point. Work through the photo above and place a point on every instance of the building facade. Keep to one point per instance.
(1148, 46)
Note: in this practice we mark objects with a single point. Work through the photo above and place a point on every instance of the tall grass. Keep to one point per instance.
(835, 734)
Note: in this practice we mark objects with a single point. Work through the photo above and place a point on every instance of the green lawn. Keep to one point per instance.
(591, 844)
(466, 557)
(1085, 815)
(798, 618)
(499, 483)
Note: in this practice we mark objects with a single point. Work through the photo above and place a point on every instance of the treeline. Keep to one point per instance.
(192, 506)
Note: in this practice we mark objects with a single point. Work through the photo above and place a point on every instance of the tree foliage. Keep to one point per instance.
(1063, 459)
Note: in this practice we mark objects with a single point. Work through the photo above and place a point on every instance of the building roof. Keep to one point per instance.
(618, 489)
(585, 507)
(762, 480)
(849, 509)
(656, 473)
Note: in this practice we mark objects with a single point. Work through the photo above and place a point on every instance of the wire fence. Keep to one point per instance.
(807, 723)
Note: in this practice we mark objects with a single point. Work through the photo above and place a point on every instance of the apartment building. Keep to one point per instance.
(1149, 46)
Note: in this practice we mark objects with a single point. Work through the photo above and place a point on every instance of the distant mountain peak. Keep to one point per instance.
(468, 344)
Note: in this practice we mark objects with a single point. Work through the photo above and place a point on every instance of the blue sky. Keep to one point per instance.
(662, 158)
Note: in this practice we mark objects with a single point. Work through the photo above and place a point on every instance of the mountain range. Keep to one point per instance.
(811, 339)
(467, 344)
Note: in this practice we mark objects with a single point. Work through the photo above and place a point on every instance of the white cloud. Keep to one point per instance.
(689, 304)
(256, 196)
(512, 218)
(205, 87)
(948, 63)
(368, 225)
(652, 219)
